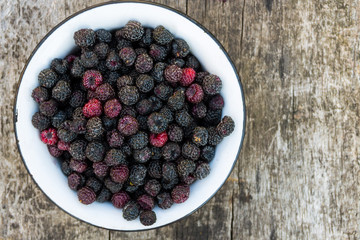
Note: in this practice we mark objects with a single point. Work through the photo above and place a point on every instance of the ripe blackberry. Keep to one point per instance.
(202, 170)
(109, 123)
(216, 102)
(199, 110)
(189, 179)
(128, 111)
(188, 76)
(157, 122)
(168, 185)
(60, 66)
(47, 78)
(92, 79)
(214, 137)
(147, 218)
(168, 114)
(103, 35)
(40, 121)
(101, 50)
(84, 38)
(154, 169)
(120, 199)
(138, 140)
(192, 62)
(157, 52)
(175, 133)
(128, 125)
(158, 140)
(152, 187)
(100, 169)
(77, 165)
(104, 195)
(213, 117)
(185, 167)
(145, 83)
(144, 63)
(94, 184)
(177, 100)
(208, 153)
(163, 91)
(191, 151)
(146, 39)
(62, 91)
(112, 186)
(183, 118)
(194, 93)
(142, 155)
(156, 103)
(75, 181)
(54, 151)
(114, 139)
(104, 92)
(77, 99)
(226, 126)
(212, 84)
(77, 70)
(143, 107)
(164, 200)
(113, 61)
(177, 61)
(128, 56)
(78, 126)
(77, 149)
(86, 195)
(128, 95)
(49, 108)
(132, 31)
(112, 108)
(119, 174)
(173, 73)
(49, 136)
(65, 168)
(146, 202)
(180, 48)
(92, 108)
(94, 129)
(137, 175)
(200, 77)
(131, 211)
(40, 94)
(158, 72)
(156, 153)
(114, 157)
(171, 151)
(64, 132)
(180, 193)
(162, 36)
(200, 136)
(142, 120)
(89, 59)
(124, 80)
(169, 171)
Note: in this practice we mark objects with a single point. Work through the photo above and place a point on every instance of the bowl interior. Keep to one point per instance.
(45, 169)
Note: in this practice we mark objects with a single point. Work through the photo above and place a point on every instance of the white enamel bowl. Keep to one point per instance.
(45, 169)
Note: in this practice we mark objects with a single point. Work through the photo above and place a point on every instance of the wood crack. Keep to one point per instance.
(242, 25)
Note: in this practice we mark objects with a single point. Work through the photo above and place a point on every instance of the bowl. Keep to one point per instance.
(45, 170)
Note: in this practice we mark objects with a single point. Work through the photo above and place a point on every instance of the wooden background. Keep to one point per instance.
(298, 173)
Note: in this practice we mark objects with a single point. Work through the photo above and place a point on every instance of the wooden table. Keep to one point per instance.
(298, 173)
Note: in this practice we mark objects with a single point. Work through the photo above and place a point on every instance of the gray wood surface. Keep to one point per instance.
(298, 173)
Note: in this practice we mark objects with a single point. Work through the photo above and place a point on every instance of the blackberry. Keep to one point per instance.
(94, 184)
(194, 93)
(92, 79)
(60, 66)
(177, 100)
(216, 102)
(175, 133)
(131, 211)
(212, 84)
(152, 187)
(142, 120)
(154, 169)
(200, 136)
(40, 94)
(146, 202)
(192, 62)
(138, 140)
(64, 132)
(163, 91)
(207, 153)
(109, 123)
(177, 61)
(128, 125)
(89, 59)
(94, 128)
(77, 149)
(162, 36)
(199, 110)
(75, 181)
(113, 61)
(168, 185)
(104, 92)
(62, 91)
(157, 52)
(202, 170)
(213, 117)
(123, 81)
(40, 121)
(158, 71)
(143, 107)
(112, 186)
(168, 114)
(49, 108)
(65, 168)
(144, 63)
(112, 77)
(200, 77)
(147, 218)
(180, 193)
(78, 166)
(191, 151)
(157, 122)
(146, 39)
(119, 174)
(63, 146)
(112, 108)
(104, 195)
(86, 195)
(95, 151)
(47, 78)
(164, 200)
(214, 137)
(156, 103)
(77, 99)
(226, 126)
(171, 151)
(173, 73)
(120, 199)
(189, 179)
(130, 188)
(100, 169)
(103, 35)
(145, 83)
(114, 157)
(78, 126)
(54, 151)
(137, 175)
(123, 43)
(156, 153)
(142, 155)
(183, 118)
(77, 70)
(132, 31)
(128, 95)
(180, 48)
(115, 139)
(101, 50)
(169, 171)
(185, 167)
(128, 56)
(84, 38)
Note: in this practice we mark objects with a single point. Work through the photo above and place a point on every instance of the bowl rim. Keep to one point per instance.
(140, 2)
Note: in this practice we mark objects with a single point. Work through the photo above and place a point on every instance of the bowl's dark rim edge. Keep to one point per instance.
(141, 2)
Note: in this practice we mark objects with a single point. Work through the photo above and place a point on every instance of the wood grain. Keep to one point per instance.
(298, 173)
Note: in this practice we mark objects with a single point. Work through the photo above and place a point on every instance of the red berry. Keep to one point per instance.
(146, 202)
(92, 108)
(63, 146)
(188, 76)
(158, 140)
(194, 93)
(92, 79)
(49, 136)
(128, 125)
(100, 169)
(54, 151)
(120, 199)
(119, 173)
(180, 193)
(86, 195)
(112, 108)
